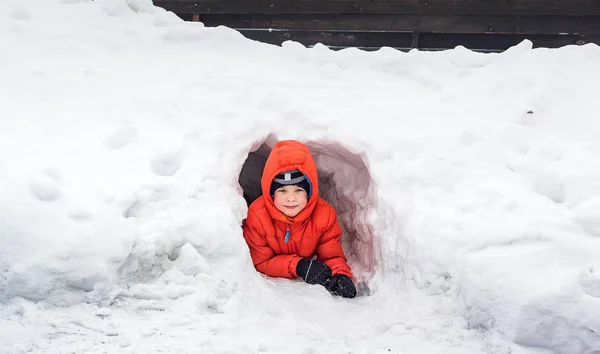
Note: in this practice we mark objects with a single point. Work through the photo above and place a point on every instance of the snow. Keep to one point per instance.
(467, 185)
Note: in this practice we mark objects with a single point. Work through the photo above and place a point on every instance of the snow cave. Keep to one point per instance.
(344, 182)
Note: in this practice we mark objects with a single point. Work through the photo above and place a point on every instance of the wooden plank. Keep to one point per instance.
(479, 41)
(406, 7)
(418, 23)
(337, 39)
(400, 40)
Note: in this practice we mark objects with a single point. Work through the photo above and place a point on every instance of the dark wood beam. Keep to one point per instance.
(404, 7)
(405, 40)
(417, 23)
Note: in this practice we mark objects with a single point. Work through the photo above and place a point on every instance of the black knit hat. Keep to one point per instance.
(290, 178)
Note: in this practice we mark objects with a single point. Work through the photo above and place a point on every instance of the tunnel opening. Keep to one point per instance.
(344, 182)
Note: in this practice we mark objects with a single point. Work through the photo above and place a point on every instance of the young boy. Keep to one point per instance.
(289, 224)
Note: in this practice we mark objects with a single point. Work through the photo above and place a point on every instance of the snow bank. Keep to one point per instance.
(467, 185)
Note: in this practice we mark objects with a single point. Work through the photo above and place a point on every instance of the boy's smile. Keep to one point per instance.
(290, 200)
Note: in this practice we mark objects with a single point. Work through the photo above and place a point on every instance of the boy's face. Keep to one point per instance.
(290, 200)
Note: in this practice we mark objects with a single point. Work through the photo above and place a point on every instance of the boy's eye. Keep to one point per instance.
(299, 190)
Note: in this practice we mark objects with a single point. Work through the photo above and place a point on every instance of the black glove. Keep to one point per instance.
(313, 272)
(341, 284)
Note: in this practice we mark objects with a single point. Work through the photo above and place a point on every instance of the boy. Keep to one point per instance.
(289, 224)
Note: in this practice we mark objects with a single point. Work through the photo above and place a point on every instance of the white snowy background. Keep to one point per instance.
(468, 185)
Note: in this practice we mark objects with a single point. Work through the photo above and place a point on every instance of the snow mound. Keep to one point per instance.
(466, 184)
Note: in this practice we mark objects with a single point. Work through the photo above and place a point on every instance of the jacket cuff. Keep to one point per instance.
(292, 266)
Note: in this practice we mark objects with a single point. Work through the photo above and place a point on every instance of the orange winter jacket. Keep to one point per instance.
(314, 231)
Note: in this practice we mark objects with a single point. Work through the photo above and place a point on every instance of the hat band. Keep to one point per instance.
(289, 181)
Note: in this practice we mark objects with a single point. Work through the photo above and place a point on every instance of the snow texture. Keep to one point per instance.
(467, 186)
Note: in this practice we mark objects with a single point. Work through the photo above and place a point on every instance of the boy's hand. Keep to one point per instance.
(342, 285)
(313, 272)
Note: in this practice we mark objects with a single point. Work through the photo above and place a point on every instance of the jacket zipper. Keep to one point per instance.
(287, 233)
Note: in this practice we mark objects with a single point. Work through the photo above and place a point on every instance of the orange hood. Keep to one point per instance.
(290, 155)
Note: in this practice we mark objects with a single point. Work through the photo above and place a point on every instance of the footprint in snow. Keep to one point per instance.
(589, 280)
(165, 165)
(81, 216)
(586, 216)
(120, 138)
(553, 189)
(467, 138)
(19, 13)
(44, 188)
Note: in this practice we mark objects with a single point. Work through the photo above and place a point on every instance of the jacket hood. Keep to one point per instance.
(290, 155)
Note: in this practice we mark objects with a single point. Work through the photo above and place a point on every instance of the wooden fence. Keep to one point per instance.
(487, 25)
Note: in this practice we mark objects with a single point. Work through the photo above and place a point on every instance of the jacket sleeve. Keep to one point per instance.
(330, 249)
(263, 257)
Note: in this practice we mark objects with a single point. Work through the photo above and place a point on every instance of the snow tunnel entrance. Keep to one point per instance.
(345, 183)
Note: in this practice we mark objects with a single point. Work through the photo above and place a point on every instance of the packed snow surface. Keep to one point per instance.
(467, 184)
